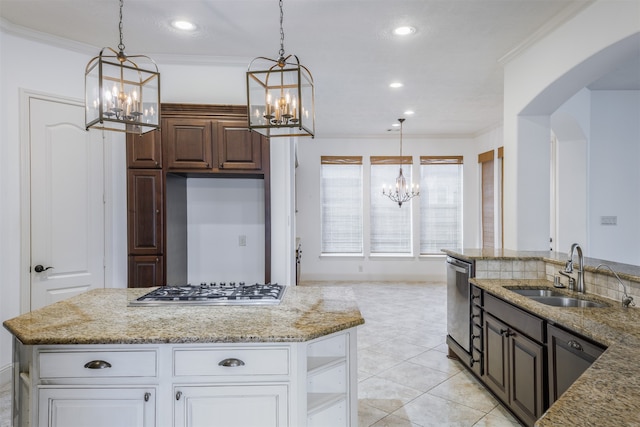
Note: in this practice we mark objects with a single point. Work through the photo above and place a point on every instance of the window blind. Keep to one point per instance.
(341, 205)
(390, 226)
(488, 215)
(440, 203)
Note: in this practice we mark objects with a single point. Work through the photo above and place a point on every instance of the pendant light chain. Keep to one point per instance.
(121, 45)
(281, 52)
(401, 121)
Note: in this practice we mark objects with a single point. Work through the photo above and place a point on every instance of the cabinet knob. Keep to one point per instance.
(178, 395)
(575, 345)
(97, 364)
(147, 396)
(231, 363)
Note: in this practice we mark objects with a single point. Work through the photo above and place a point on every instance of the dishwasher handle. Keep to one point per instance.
(459, 266)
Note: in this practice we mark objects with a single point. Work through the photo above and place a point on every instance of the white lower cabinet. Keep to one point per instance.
(96, 407)
(242, 405)
(292, 384)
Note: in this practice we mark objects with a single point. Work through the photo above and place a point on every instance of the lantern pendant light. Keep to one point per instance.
(401, 193)
(280, 95)
(121, 95)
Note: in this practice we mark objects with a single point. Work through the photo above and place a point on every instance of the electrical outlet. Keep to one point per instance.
(242, 240)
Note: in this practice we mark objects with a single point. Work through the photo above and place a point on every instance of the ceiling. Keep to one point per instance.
(450, 66)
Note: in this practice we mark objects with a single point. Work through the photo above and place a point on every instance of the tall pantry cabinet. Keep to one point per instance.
(204, 141)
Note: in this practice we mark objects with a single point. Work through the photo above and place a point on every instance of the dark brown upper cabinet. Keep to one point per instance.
(144, 151)
(238, 147)
(188, 142)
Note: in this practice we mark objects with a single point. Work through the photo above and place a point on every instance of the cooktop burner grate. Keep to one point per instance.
(214, 294)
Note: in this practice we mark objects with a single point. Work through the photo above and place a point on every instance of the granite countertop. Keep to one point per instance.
(625, 271)
(103, 316)
(608, 392)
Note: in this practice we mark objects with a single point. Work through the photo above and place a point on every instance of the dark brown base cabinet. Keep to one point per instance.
(527, 363)
(145, 271)
(514, 369)
(569, 356)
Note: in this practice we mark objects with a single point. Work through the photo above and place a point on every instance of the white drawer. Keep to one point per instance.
(240, 361)
(92, 364)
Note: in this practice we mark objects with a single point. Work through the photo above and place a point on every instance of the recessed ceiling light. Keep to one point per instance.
(180, 24)
(409, 112)
(396, 85)
(404, 31)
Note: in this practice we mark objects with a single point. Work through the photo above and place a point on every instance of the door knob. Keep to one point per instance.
(39, 268)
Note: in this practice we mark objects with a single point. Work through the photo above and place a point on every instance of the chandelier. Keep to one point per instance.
(401, 193)
(121, 95)
(280, 95)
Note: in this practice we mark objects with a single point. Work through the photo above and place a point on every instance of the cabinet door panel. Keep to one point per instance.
(527, 377)
(96, 407)
(145, 206)
(146, 271)
(231, 406)
(188, 143)
(569, 357)
(238, 147)
(496, 374)
(144, 151)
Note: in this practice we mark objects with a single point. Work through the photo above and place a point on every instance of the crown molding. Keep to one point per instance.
(558, 20)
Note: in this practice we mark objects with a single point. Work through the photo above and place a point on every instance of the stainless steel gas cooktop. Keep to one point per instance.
(214, 294)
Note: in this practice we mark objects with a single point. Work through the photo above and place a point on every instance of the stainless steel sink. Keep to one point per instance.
(564, 301)
(537, 292)
(557, 299)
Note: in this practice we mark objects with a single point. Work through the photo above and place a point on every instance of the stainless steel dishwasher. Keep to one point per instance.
(458, 294)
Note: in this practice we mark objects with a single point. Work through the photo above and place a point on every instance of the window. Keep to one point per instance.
(341, 204)
(391, 230)
(487, 208)
(440, 203)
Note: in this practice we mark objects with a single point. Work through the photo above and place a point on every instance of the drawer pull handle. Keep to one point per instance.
(147, 396)
(231, 363)
(178, 395)
(575, 345)
(97, 364)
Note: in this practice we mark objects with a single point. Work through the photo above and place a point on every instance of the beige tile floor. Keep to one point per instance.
(404, 376)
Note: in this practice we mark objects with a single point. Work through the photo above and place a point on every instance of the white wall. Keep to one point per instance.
(537, 81)
(315, 267)
(219, 211)
(614, 185)
(598, 152)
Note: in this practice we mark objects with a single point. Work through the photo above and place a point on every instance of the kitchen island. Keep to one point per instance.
(96, 360)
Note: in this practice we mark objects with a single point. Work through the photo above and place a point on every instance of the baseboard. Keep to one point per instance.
(6, 374)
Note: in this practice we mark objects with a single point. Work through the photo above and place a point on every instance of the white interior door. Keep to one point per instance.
(66, 203)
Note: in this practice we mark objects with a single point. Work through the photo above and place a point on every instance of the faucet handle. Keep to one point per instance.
(568, 267)
(627, 301)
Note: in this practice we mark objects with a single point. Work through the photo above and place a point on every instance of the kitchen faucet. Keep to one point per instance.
(568, 268)
(626, 299)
